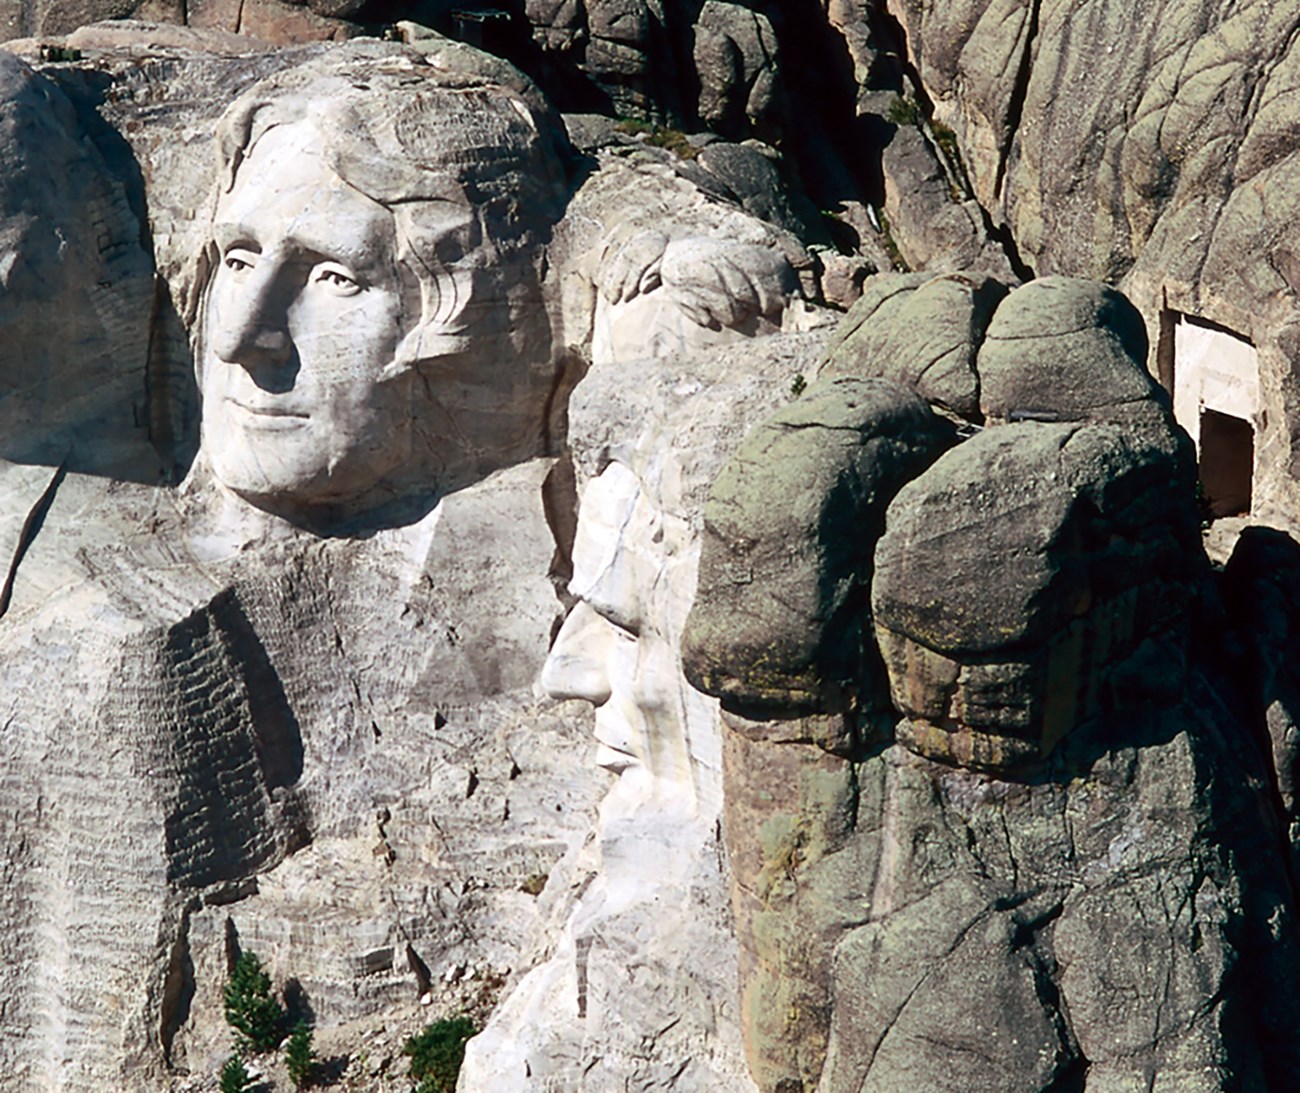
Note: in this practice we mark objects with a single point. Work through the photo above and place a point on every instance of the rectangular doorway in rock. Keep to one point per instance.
(1213, 374)
(1227, 462)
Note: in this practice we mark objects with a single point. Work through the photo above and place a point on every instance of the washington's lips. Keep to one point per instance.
(270, 414)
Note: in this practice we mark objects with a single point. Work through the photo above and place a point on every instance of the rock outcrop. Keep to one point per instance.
(367, 423)
(1038, 595)
(1163, 169)
(310, 663)
(786, 622)
(633, 977)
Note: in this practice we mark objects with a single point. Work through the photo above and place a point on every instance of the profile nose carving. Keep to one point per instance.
(251, 327)
(575, 667)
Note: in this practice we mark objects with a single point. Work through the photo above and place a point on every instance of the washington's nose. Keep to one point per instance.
(575, 667)
(251, 326)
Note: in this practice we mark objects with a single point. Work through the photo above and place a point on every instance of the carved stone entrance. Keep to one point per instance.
(1213, 375)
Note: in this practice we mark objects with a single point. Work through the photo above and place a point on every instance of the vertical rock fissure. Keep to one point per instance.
(30, 529)
(1019, 94)
(997, 230)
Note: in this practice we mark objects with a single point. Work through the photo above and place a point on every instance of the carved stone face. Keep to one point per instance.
(303, 402)
(618, 649)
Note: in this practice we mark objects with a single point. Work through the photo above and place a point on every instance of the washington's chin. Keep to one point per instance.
(277, 464)
(283, 490)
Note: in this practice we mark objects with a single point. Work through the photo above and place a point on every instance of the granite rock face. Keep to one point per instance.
(1161, 171)
(298, 712)
(78, 286)
(790, 533)
(986, 827)
(360, 416)
(1032, 579)
(632, 981)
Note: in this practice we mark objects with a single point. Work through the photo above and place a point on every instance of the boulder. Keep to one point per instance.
(934, 224)
(1035, 577)
(920, 331)
(751, 174)
(736, 62)
(782, 617)
(1060, 349)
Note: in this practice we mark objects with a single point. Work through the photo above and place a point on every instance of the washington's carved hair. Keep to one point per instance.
(472, 170)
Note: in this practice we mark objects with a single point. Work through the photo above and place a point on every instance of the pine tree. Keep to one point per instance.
(300, 1057)
(256, 1016)
(437, 1053)
(233, 1075)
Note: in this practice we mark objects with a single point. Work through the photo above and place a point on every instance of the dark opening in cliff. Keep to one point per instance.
(1227, 462)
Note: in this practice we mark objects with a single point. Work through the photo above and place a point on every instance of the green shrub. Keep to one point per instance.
(256, 1017)
(674, 140)
(946, 139)
(891, 248)
(905, 111)
(300, 1057)
(234, 1077)
(798, 385)
(436, 1054)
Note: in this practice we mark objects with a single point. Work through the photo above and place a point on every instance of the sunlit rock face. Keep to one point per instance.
(641, 977)
(289, 658)
(374, 324)
(1005, 772)
(297, 709)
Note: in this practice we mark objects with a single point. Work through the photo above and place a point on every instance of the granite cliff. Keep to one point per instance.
(744, 546)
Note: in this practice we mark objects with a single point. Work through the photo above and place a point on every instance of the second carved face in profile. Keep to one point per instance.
(633, 577)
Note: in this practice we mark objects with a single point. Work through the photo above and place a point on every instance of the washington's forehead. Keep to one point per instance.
(284, 193)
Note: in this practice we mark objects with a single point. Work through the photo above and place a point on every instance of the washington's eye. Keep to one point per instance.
(337, 280)
(238, 260)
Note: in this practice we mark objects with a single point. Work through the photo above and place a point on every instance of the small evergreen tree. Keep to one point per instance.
(436, 1054)
(234, 1077)
(256, 1016)
(300, 1056)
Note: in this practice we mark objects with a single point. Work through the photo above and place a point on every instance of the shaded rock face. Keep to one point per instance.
(789, 534)
(1029, 583)
(78, 287)
(736, 58)
(1057, 733)
(917, 925)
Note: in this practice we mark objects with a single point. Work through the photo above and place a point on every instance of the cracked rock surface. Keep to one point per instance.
(1055, 863)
